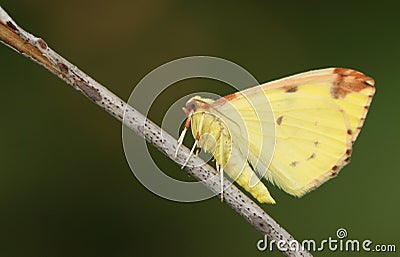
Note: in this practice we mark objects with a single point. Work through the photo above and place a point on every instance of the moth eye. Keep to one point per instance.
(192, 106)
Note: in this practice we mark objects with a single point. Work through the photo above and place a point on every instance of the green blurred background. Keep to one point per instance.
(65, 186)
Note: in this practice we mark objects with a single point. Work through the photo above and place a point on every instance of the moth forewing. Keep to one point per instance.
(305, 123)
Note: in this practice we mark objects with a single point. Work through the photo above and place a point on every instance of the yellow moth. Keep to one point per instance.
(316, 117)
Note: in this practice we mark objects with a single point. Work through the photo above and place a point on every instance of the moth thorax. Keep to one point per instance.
(211, 135)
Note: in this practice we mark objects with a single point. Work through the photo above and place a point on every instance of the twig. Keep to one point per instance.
(37, 49)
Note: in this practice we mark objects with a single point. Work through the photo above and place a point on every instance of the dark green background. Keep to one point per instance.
(65, 186)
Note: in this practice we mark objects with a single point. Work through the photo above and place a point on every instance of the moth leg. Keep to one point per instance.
(190, 154)
(197, 151)
(182, 136)
(199, 132)
(200, 126)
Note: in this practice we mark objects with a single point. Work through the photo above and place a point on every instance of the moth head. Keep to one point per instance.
(197, 103)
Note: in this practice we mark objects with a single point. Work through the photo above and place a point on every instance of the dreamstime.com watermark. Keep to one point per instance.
(339, 243)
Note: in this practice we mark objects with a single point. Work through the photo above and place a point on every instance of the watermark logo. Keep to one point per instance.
(339, 243)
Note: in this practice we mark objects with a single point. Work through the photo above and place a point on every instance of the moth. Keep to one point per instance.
(296, 132)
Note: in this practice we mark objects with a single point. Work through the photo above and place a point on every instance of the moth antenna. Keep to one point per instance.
(183, 133)
(190, 154)
(221, 171)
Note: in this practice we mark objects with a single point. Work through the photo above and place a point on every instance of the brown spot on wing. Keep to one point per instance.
(334, 171)
(312, 156)
(279, 120)
(349, 81)
(293, 163)
(290, 88)
(315, 183)
(333, 174)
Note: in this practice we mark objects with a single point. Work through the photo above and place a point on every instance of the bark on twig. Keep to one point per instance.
(37, 49)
